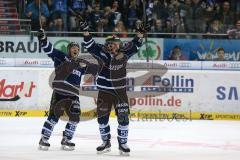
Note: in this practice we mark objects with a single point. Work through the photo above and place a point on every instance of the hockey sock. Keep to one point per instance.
(48, 126)
(105, 132)
(104, 128)
(69, 130)
(122, 134)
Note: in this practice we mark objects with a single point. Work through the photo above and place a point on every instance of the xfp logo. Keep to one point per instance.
(20, 113)
(205, 116)
(151, 50)
(61, 45)
(46, 113)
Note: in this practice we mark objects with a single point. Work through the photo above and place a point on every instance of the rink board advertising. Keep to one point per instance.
(203, 49)
(25, 47)
(178, 94)
(158, 48)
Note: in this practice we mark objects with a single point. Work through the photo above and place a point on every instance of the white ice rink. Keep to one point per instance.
(189, 140)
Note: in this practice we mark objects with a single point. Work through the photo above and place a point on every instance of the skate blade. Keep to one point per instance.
(124, 153)
(43, 148)
(104, 151)
(67, 148)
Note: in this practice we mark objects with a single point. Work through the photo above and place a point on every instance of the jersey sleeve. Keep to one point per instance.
(93, 48)
(132, 47)
(52, 52)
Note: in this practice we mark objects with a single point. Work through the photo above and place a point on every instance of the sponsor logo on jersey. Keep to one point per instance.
(115, 67)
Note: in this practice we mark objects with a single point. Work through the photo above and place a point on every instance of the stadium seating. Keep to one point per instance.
(9, 19)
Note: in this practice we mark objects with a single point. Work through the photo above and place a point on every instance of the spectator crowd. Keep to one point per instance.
(165, 16)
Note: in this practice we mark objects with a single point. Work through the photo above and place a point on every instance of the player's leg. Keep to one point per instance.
(104, 105)
(122, 112)
(49, 123)
(73, 111)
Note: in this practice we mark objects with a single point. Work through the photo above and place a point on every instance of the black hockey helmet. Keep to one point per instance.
(71, 44)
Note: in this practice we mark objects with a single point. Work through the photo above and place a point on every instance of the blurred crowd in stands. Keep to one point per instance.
(166, 16)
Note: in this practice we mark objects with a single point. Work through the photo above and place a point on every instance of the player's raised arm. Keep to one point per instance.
(132, 47)
(48, 47)
(88, 42)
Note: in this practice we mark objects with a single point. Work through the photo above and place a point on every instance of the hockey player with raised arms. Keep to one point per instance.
(111, 82)
(66, 85)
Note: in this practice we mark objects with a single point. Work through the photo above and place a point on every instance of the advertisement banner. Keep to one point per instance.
(215, 65)
(7, 62)
(172, 91)
(19, 88)
(28, 47)
(171, 65)
(202, 49)
(34, 62)
(182, 65)
(154, 49)
(20, 47)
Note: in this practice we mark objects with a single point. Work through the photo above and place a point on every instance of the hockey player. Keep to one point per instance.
(111, 82)
(65, 97)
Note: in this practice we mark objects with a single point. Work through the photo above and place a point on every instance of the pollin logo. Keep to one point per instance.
(151, 50)
(61, 45)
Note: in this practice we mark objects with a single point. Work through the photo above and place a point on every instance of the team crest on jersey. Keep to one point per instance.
(76, 72)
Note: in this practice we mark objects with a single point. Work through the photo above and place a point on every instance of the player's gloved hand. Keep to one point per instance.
(82, 62)
(84, 26)
(41, 35)
(143, 28)
(75, 108)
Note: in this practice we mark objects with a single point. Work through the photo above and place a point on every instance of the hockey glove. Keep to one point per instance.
(84, 26)
(41, 35)
(82, 63)
(143, 28)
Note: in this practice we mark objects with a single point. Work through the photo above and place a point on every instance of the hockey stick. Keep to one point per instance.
(40, 23)
(10, 99)
(39, 14)
(76, 14)
(144, 21)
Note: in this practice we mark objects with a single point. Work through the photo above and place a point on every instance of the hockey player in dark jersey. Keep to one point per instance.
(111, 82)
(66, 85)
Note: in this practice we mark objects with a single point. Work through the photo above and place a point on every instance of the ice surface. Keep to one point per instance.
(148, 140)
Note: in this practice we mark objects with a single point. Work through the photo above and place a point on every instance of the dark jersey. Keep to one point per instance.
(112, 74)
(68, 72)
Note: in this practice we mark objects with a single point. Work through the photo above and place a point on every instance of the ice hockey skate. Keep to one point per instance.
(104, 148)
(124, 150)
(67, 145)
(43, 144)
